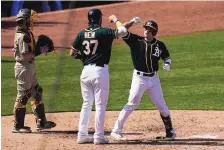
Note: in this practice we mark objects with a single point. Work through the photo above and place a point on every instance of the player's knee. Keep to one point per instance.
(87, 104)
(18, 105)
(38, 89)
(130, 107)
(23, 98)
(100, 107)
(133, 103)
(134, 99)
(35, 103)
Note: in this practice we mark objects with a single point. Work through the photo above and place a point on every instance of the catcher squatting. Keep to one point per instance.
(93, 46)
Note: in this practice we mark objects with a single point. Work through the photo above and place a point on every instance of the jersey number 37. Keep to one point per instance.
(88, 46)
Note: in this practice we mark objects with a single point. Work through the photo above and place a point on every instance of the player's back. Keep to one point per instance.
(95, 44)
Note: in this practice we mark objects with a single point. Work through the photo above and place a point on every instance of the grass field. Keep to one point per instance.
(196, 79)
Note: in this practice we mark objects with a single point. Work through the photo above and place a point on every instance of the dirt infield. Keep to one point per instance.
(195, 129)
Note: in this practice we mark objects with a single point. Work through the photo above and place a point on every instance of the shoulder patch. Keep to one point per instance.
(26, 38)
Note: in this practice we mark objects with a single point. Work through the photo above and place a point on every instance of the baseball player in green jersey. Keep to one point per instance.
(93, 46)
(146, 51)
(25, 50)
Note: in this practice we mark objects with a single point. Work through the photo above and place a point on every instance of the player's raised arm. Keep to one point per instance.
(122, 31)
(133, 21)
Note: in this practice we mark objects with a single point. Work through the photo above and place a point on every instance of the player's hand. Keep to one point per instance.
(112, 19)
(44, 49)
(73, 52)
(166, 67)
(136, 20)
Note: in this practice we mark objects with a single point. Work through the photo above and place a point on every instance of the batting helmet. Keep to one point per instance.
(152, 25)
(95, 16)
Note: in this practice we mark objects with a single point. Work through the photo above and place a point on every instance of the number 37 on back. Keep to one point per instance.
(90, 45)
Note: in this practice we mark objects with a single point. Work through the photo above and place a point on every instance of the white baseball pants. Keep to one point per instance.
(139, 85)
(94, 86)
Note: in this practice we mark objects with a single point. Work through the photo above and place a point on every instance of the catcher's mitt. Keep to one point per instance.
(44, 40)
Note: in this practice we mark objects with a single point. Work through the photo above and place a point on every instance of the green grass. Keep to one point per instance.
(196, 79)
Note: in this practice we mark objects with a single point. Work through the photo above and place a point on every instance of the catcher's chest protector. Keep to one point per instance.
(23, 42)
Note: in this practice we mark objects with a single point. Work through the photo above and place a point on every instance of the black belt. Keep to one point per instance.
(146, 74)
(31, 61)
(100, 65)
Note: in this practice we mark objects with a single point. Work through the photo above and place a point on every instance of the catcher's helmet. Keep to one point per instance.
(23, 14)
(95, 16)
(26, 17)
(152, 25)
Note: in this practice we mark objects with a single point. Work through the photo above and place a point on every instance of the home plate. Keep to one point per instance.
(203, 136)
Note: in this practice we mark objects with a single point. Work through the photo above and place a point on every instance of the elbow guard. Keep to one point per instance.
(122, 31)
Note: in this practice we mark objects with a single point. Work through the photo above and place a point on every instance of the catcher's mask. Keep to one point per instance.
(152, 26)
(95, 16)
(26, 17)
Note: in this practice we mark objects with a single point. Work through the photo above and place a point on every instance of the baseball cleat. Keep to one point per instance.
(118, 136)
(170, 135)
(85, 139)
(100, 141)
(46, 125)
(24, 129)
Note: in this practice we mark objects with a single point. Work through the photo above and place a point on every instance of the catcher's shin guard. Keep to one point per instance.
(19, 115)
(41, 120)
(39, 112)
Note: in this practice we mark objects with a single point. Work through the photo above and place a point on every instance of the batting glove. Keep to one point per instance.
(166, 67)
(136, 20)
(113, 19)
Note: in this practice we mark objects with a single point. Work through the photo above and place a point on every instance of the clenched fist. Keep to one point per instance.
(136, 20)
(112, 19)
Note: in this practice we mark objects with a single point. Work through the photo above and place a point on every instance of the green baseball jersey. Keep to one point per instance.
(95, 44)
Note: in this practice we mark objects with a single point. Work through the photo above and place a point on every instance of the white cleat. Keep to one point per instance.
(118, 136)
(85, 139)
(24, 129)
(101, 141)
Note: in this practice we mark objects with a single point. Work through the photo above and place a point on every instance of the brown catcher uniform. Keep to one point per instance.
(25, 74)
